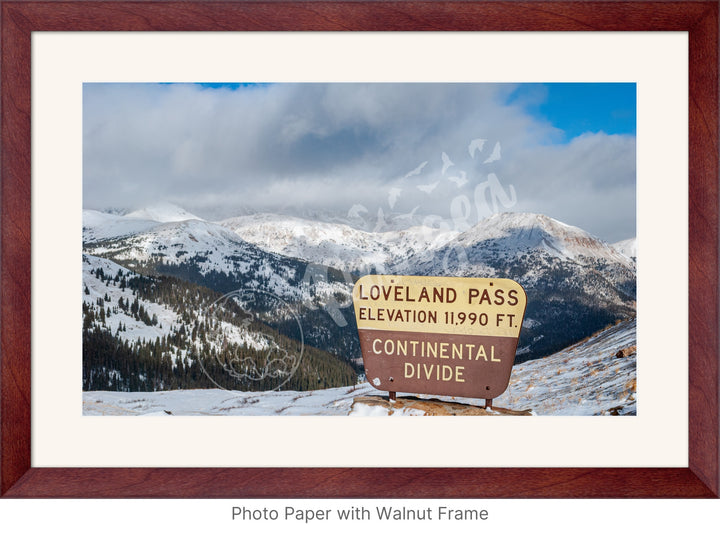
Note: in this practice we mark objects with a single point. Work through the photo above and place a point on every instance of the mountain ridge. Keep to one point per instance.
(575, 282)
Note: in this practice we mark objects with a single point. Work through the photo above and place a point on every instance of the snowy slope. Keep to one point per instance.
(582, 380)
(627, 247)
(576, 283)
(529, 238)
(96, 289)
(526, 231)
(209, 247)
(174, 241)
(152, 333)
(213, 256)
(110, 293)
(101, 226)
(585, 379)
(206, 248)
(163, 213)
(334, 244)
(498, 237)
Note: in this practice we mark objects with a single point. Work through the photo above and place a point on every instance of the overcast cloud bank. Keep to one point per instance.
(455, 151)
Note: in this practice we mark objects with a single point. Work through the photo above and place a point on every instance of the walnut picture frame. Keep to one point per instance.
(18, 478)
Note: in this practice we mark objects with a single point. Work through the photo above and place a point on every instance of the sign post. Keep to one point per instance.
(439, 335)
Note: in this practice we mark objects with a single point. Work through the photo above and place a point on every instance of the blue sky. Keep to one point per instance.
(574, 108)
(564, 150)
(577, 108)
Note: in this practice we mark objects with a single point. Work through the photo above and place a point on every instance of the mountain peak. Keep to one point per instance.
(521, 232)
(528, 224)
(528, 220)
(163, 212)
(627, 247)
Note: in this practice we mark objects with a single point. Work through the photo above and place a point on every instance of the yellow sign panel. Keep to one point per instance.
(492, 307)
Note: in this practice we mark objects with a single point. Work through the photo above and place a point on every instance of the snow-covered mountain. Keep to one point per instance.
(627, 248)
(507, 236)
(102, 226)
(526, 247)
(575, 282)
(208, 246)
(496, 240)
(210, 255)
(524, 231)
(163, 212)
(335, 244)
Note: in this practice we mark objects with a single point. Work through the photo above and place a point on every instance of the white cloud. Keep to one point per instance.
(333, 146)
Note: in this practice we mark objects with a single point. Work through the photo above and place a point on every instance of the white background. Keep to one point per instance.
(214, 517)
(657, 62)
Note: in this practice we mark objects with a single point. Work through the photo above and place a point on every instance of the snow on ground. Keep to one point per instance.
(583, 380)
(333, 401)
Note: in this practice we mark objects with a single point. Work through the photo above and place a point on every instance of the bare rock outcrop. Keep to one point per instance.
(412, 406)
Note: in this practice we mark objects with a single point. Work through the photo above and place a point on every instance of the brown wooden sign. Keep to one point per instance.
(439, 335)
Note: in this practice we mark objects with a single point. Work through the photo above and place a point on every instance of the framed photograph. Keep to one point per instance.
(214, 184)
